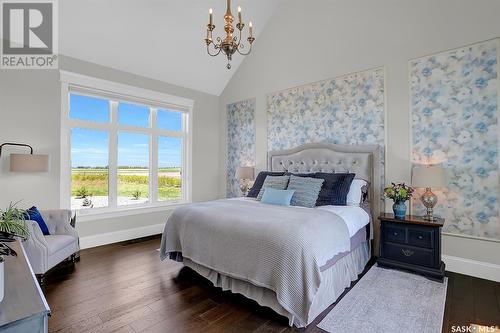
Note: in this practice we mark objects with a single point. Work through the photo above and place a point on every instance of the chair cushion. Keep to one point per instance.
(58, 242)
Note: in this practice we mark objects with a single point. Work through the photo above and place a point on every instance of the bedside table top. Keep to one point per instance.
(411, 219)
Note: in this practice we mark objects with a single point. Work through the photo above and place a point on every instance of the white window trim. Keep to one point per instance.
(128, 92)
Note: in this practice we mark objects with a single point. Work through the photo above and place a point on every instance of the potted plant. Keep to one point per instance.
(399, 193)
(12, 224)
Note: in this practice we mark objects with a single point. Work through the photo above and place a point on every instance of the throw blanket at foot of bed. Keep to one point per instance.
(279, 248)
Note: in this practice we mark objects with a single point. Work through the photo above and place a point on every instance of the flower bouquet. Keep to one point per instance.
(399, 193)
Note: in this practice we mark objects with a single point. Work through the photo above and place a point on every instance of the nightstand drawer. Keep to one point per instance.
(395, 234)
(421, 238)
(409, 254)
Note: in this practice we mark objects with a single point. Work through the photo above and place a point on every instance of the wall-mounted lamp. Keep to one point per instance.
(26, 162)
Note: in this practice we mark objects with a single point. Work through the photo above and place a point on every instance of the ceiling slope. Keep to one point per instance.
(162, 40)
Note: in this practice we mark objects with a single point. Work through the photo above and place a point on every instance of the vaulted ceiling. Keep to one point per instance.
(159, 39)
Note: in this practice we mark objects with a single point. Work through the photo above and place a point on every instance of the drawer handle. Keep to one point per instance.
(420, 237)
(407, 253)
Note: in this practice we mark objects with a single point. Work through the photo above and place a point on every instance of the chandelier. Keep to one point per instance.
(229, 44)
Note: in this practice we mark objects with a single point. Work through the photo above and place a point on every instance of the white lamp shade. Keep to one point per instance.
(245, 173)
(29, 163)
(428, 176)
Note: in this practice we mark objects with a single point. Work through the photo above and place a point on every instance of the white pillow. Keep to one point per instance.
(355, 195)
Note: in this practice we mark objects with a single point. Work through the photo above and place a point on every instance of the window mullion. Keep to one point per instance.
(153, 159)
(113, 156)
(184, 158)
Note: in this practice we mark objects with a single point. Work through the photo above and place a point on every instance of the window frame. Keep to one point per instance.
(116, 93)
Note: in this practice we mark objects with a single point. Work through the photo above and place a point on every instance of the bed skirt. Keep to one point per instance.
(333, 283)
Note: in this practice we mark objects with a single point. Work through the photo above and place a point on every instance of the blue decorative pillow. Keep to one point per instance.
(335, 188)
(276, 182)
(35, 215)
(259, 181)
(306, 190)
(277, 197)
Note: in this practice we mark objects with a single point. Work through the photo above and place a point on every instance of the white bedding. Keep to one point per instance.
(354, 217)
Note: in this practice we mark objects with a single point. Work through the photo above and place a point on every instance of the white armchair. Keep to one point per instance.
(45, 252)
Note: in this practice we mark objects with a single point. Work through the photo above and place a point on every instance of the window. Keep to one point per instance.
(169, 173)
(133, 168)
(88, 108)
(124, 153)
(89, 168)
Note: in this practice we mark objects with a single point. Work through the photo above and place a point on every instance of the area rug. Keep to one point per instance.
(389, 301)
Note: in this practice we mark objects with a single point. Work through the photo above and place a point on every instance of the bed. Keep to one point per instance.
(294, 260)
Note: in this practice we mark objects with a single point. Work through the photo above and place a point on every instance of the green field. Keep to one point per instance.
(130, 180)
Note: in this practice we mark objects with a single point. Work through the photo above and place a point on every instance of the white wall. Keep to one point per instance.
(308, 41)
(30, 112)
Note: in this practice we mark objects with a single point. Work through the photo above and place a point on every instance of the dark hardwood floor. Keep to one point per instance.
(125, 288)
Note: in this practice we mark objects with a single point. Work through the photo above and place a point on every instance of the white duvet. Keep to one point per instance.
(354, 217)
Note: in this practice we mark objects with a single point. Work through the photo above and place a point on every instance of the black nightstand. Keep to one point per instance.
(412, 244)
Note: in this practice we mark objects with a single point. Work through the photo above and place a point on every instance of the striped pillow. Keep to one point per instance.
(276, 182)
(306, 190)
(335, 189)
(259, 181)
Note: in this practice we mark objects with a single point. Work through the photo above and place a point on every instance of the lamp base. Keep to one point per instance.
(429, 200)
(429, 218)
(244, 187)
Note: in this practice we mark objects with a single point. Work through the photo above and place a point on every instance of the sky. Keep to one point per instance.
(89, 147)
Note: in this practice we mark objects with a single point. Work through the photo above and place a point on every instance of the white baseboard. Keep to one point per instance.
(480, 269)
(120, 236)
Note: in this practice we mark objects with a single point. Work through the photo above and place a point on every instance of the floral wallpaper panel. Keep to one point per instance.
(454, 104)
(240, 142)
(344, 110)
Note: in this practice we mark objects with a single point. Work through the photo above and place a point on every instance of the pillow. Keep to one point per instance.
(357, 192)
(306, 190)
(309, 174)
(277, 197)
(257, 185)
(276, 182)
(35, 215)
(335, 188)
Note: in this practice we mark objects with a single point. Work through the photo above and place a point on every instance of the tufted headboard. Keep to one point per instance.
(363, 160)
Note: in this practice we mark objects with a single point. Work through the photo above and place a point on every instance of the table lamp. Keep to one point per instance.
(427, 177)
(245, 175)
